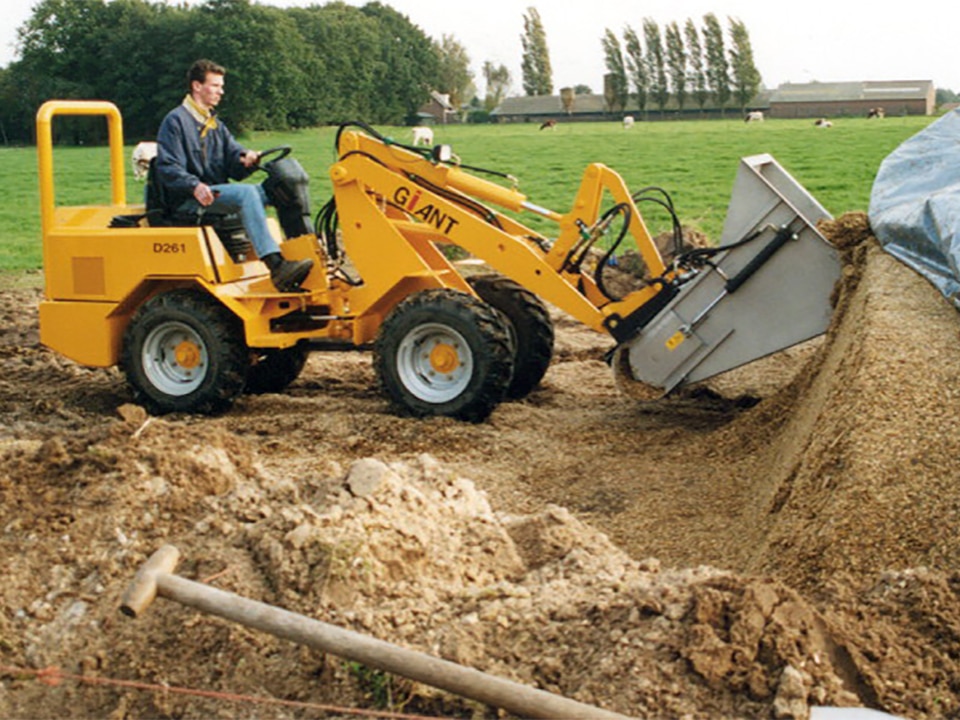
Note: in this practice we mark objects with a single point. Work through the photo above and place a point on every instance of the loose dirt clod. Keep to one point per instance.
(777, 538)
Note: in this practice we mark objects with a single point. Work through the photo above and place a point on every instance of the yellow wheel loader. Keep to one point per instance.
(191, 317)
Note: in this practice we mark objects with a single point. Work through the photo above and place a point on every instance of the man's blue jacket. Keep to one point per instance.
(184, 159)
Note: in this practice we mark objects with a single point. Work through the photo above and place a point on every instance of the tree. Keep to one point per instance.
(656, 68)
(15, 125)
(86, 49)
(535, 65)
(746, 77)
(636, 67)
(342, 68)
(697, 77)
(407, 64)
(260, 86)
(454, 77)
(718, 73)
(945, 95)
(677, 64)
(497, 78)
(616, 90)
(144, 67)
(64, 36)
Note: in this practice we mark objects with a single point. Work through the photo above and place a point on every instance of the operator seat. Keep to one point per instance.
(227, 226)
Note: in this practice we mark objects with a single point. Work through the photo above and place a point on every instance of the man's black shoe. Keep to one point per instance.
(287, 275)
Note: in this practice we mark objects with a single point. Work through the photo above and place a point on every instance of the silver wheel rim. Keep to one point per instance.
(434, 363)
(175, 358)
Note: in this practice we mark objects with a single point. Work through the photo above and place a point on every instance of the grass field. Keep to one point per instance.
(695, 162)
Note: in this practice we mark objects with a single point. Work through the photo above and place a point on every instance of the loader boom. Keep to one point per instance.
(411, 203)
(766, 287)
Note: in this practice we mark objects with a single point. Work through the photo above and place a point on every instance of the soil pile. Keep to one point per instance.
(775, 539)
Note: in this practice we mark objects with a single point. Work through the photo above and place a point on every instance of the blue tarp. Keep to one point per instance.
(915, 204)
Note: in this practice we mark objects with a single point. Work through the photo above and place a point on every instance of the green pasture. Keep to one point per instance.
(695, 162)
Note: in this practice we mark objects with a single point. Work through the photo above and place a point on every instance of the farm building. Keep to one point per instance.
(820, 99)
(790, 100)
(593, 108)
(541, 108)
(438, 110)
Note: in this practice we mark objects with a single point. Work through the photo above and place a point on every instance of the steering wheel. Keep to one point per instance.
(281, 151)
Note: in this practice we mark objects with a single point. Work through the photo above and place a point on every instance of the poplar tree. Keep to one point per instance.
(677, 64)
(697, 76)
(535, 65)
(718, 71)
(616, 90)
(656, 69)
(746, 77)
(636, 67)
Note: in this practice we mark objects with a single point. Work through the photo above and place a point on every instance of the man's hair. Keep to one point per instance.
(200, 69)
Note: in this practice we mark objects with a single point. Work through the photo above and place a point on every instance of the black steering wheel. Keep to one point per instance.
(281, 151)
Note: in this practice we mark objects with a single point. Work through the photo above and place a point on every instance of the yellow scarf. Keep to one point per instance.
(205, 117)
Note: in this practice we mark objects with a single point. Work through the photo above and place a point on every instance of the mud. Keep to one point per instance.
(778, 538)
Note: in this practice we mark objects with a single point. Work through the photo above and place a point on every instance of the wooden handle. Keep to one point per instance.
(156, 578)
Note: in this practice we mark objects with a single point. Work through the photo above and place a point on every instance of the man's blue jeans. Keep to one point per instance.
(247, 200)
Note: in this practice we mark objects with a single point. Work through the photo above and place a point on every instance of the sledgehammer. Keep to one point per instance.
(156, 577)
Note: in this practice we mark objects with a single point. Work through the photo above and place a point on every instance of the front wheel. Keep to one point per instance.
(530, 324)
(443, 352)
(185, 352)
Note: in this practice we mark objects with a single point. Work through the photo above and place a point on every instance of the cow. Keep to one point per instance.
(422, 136)
(143, 153)
(753, 116)
(877, 112)
(823, 123)
(628, 122)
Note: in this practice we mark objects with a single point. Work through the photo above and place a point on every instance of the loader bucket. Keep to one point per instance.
(761, 296)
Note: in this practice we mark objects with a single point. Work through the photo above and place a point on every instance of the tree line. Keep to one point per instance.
(286, 67)
(319, 65)
(656, 67)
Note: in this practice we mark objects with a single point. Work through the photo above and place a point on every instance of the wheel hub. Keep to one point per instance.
(187, 354)
(444, 358)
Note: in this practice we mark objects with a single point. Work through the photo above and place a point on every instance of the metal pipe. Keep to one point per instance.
(156, 578)
(45, 116)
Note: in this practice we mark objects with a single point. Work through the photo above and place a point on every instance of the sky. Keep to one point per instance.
(798, 42)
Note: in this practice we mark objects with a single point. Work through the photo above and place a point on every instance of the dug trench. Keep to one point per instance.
(781, 537)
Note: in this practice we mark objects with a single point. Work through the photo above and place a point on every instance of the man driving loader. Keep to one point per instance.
(197, 156)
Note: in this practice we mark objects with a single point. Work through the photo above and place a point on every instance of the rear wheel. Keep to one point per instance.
(185, 352)
(530, 324)
(443, 352)
(274, 370)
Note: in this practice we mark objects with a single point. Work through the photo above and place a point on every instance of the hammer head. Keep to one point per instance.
(143, 589)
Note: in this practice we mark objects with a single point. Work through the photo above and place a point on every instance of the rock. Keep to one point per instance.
(791, 700)
(132, 414)
(366, 476)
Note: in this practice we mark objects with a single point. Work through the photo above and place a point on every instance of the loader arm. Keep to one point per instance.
(764, 288)
(411, 203)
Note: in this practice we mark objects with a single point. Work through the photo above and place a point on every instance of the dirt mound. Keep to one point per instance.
(775, 539)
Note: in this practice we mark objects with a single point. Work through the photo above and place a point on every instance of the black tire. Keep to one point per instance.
(530, 324)
(443, 352)
(272, 371)
(183, 351)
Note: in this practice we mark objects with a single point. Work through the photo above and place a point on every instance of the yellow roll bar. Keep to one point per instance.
(45, 117)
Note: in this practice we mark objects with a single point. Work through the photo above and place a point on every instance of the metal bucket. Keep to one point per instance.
(762, 295)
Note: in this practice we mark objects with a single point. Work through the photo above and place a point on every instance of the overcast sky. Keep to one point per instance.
(824, 40)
